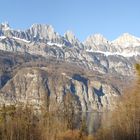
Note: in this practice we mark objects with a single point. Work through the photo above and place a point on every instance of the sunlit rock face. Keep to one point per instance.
(127, 40)
(37, 87)
(109, 62)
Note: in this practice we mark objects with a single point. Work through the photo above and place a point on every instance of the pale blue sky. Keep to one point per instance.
(84, 17)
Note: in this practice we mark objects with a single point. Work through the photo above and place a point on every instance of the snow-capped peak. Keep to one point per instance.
(127, 40)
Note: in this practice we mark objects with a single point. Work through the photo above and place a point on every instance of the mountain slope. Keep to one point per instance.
(40, 47)
(39, 86)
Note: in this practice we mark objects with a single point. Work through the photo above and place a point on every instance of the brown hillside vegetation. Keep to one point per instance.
(124, 123)
(22, 123)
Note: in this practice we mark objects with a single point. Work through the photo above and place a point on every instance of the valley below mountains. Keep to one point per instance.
(39, 67)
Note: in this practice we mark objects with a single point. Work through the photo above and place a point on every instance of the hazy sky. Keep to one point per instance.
(84, 17)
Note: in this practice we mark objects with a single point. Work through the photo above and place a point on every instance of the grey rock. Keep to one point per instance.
(38, 86)
(110, 59)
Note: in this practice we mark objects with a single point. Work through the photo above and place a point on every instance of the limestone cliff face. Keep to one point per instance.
(42, 86)
(27, 86)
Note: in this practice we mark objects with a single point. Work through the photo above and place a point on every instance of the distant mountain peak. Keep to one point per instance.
(43, 26)
(127, 34)
(127, 37)
(127, 40)
(96, 39)
(44, 31)
(69, 35)
(4, 26)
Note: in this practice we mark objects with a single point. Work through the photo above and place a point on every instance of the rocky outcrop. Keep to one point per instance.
(127, 40)
(73, 40)
(42, 86)
(97, 42)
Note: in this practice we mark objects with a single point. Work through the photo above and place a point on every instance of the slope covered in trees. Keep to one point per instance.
(124, 121)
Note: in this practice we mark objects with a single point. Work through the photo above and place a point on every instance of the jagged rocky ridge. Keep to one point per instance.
(33, 85)
(95, 53)
(95, 56)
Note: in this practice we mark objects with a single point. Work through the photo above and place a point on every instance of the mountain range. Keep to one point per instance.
(39, 64)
